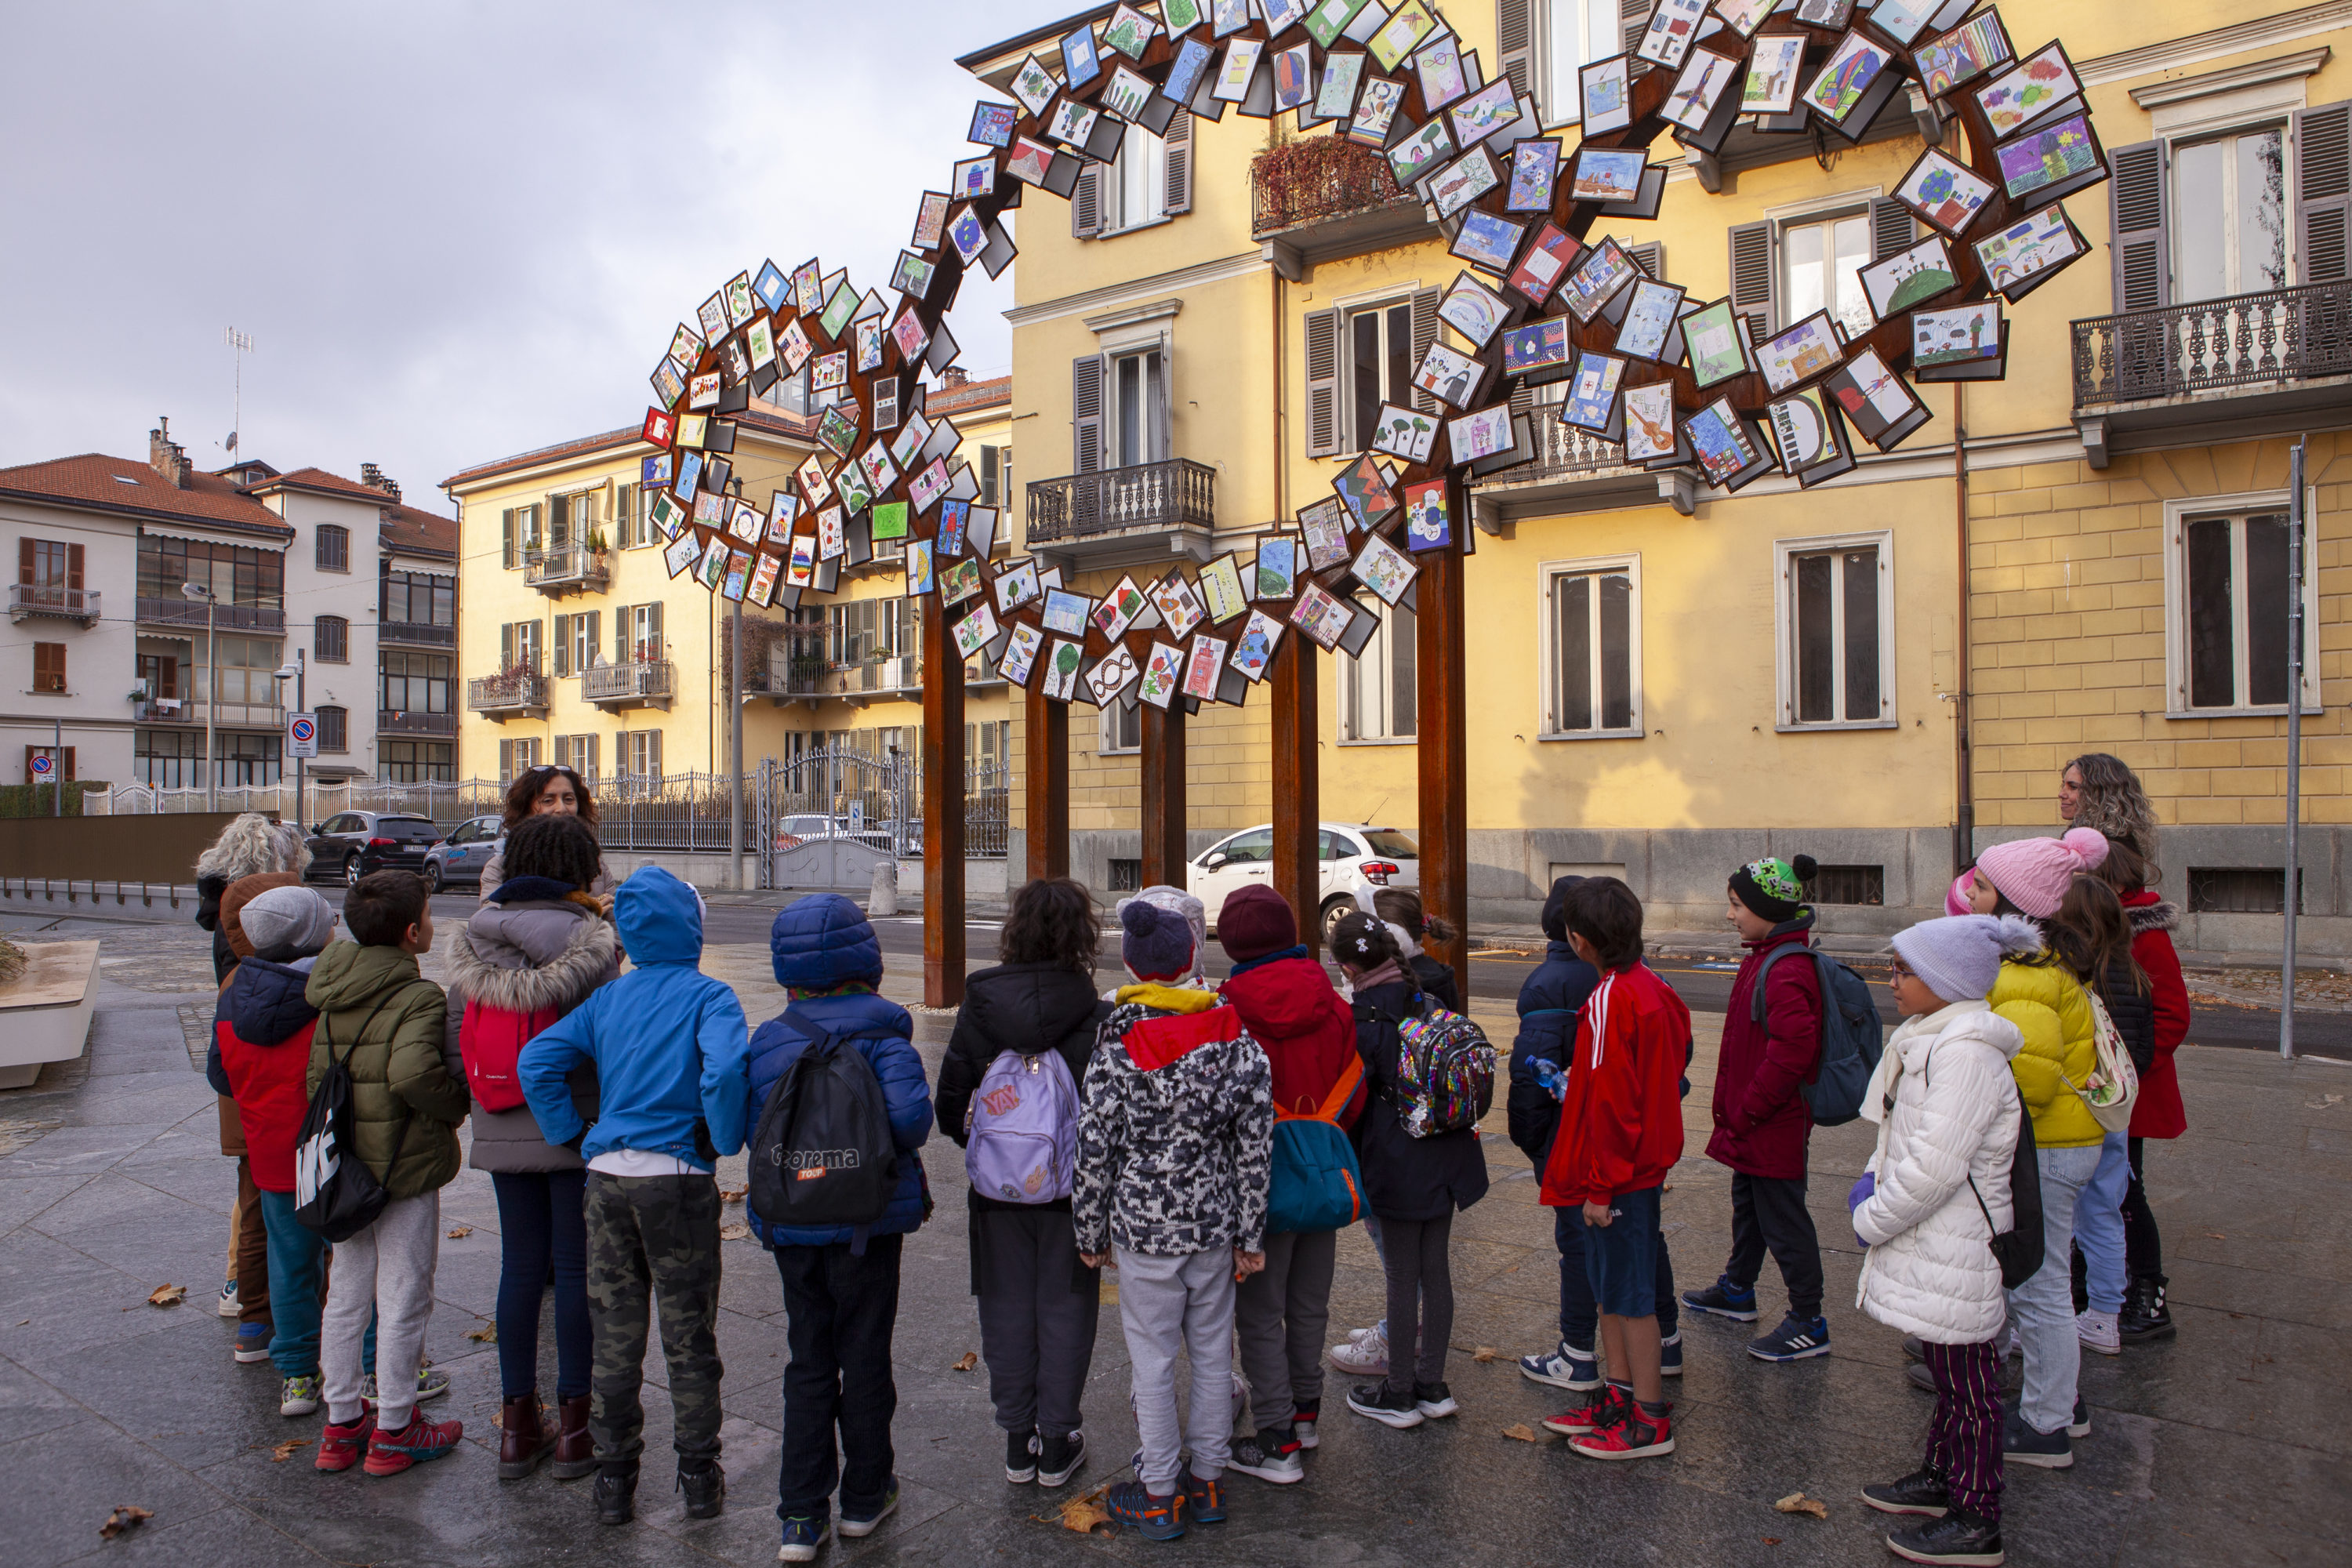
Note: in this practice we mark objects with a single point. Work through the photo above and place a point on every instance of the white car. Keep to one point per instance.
(1353, 853)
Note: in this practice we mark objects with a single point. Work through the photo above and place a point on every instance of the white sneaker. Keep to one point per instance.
(229, 1306)
(1364, 1353)
(2097, 1330)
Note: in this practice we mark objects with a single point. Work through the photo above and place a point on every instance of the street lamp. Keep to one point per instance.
(298, 673)
(212, 765)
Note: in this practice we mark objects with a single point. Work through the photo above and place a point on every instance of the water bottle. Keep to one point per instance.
(1548, 1075)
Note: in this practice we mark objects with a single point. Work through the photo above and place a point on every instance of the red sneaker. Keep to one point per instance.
(1598, 1409)
(1628, 1435)
(340, 1448)
(388, 1453)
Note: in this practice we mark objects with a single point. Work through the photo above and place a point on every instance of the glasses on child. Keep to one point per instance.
(1896, 969)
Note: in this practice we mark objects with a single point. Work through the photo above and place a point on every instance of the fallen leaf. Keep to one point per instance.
(734, 1233)
(288, 1449)
(2323, 1102)
(1523, 1432)
(22, 1322)
(732, 1195)
(122, 1519)
(1665, 1186)
(970, 1359)
(1083, 1514)
(461, 1232)
(2215, 1236)
(1798, 1502)
(1771, 1540)
(488, 1334)
(1484, 1354)
(167, 1295)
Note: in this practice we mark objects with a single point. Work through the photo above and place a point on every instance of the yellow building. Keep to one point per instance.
(1665, 679)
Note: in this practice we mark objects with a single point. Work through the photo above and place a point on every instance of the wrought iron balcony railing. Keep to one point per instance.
(1319, 179)
(639, 681)
(27, 600)
(561, 571)
(2243, 340)
(1177, 493)
(507, 693)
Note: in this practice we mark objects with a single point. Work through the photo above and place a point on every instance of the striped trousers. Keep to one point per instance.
(1964, 1437)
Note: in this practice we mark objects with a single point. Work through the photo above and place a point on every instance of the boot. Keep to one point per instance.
(575, 1451)
(522, 1441)
(617, 1493)
(2144, 1317)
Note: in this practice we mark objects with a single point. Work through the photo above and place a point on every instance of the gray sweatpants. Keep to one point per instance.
(386, 1270)
(1167, 1304)
(1281, 1312)
(1038, 1307)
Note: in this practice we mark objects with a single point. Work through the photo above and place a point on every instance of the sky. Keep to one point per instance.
(453, 231)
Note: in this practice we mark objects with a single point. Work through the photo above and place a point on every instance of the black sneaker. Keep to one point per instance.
(1434, 1400)
(615, 1494)
(1389, 1406)
(2021, 1445)
(1271, 1454)
(1059, 1458)
(1797, 1339)
(705, 1487)
(1723, 1299)
(2077, 1425)
(1020, 1458)
(2145, 1318)
(1958, 1537)
(1921, 1491)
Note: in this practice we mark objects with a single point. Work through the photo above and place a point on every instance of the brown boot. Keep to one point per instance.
(575, 1451)
(522, 1441)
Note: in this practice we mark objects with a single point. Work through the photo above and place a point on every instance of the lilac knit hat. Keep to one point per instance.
(2035, 873)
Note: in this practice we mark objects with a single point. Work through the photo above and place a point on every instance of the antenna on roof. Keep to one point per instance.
(241, 344)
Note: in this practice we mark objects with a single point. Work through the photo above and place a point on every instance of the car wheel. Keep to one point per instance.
(433, 878)
(351, 872)
(1333, 908)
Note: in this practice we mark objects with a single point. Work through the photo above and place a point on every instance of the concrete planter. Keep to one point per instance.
(44, 1013)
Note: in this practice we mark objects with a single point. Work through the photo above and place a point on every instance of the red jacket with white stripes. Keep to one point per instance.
(1621, 1125)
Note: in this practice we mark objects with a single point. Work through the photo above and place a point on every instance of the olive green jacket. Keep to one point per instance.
(400, 1073)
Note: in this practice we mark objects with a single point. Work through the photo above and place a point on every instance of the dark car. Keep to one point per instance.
(459, 859)
(351, 844)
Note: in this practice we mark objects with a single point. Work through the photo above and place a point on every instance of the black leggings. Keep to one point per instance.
(1420, 1283)
(2143, 1247)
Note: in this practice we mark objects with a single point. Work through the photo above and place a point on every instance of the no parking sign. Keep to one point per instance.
(42, 767)
(302, 734)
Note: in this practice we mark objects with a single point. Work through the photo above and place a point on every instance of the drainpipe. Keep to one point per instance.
(1964, 816)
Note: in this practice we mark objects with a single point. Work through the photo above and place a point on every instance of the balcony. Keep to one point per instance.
(167, 710)
(1575, 470)
(177, 611)
(1322, 198)
(516, 694)
(191, 710)
(811, 678)
(2229, 369)
(578, 570)
(1131, 516)
(28, 601)
(388, 723)
(641, 683)
(415, 634)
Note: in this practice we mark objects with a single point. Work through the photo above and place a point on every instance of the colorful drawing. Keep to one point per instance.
(1323, 526)
(1463, 181)
(1472, 308)
(1672, 27)
(1402, 433)
(1029, 161)
(1294, 75)
(1401, 34)
(1483, 434)
(1546, 262)
(1080, 63)
(1073, 123)
(1384, 569)
(1127, 95)
(1220, 589)
(1335, 96)
(1607, 175)
(2016, 99)
(1719, 440)
(889, 520)
(1809, 348)
(959, 581)
(1439, 64)
(991, 126)
(1971, 331)
(1034, 85)
(1947, 192)
(1802, 429)
(1597, 280)
(1376, 108)
(1744, 16)
(1650, 422)
(1649, 319)
(1240, 65)
(1539, 345)
(1254, 649)
(975, 631)
(1713, 343)
(1119, 610)
(1904, 20)
(1453, 375)
(1772, 66)
(1186, 70)
(1321, 616)
(1535, 168)
(1961, 55)
(1128, 31)
(1420, 153)
(1020, 654)
(2039, 242)
(1488, 241)
(1062, 671)
(921, 575)
(1593, 396)
(1363, 489)
(1853, 67)
(1065, 611)
(1327, 20)
(1602, 92)
(832, 533)
(1180, 16)
(1016, 585)
(1426, 524)
(682, 552)
(1205, 668)
(1706, 75)
(1114, 674)
(1909, 278)
(2053, 155)
(1485, 111)
(1872, 396)
(1179, 604)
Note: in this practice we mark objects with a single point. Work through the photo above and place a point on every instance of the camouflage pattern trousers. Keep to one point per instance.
(653, 1249)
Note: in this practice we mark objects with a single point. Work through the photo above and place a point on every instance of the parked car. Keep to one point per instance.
(459, 859)
(351, 844)
(1353, 853)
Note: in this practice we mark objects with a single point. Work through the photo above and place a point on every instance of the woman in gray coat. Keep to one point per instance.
(529, 956)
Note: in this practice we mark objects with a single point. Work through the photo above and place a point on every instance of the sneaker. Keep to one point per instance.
(1598, 1407)
(1020, 1458)
(252, 1342)
(432, 1382)
(1724, 1300)
(1921, 1491)
(1389, 1406)
(299, 1395)
(1628, 1435)
(1567, 1367)
(705, 1489)
(2077, 1425)
(1364, 1353)
(1130, 1503)
(614, 1494)
(1794, 1340)
(1914, 1347)
(2099, 1332)
(1305, 1419)
(388, 1453)
(1059, 1458)
(229, 1306)
(2021, 1445)
(1204, 1501)
(2145, 1318)
(340, 1448)
(1669, 1356)
(1271, 1455)
(1957, 1537)
(803, 1536)
(852, 1526)
(1434, 1400)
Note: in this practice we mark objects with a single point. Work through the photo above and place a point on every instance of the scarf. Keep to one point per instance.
(1265, 959)
(1387, 973)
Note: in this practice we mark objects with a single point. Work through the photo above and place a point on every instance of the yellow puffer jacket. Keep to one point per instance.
(2053, 1011)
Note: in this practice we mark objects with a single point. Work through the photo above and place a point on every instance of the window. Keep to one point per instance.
(2211, 210)
(1331, 845)
(169, 759)
(244, 762)
(1122, 729)
(159, 673)
(519, 646)
(1847, 885)
(334, 548)
(244, 669)
(1139, 408)
(576, 646)
(995, 474)
(515, 759)
(2243, 891)
(418, 599)
(1380, 366)
(1255, 847)
(414, 683)
(2226, 577)
(1569, 34)
(1125, 876)
(869, 631)
(330, 639)
(1837, 641)
(2230, 211)
(236, 572)
(1377, 699)
(334, 730)
(1821, 263)
(421, 762)
(51, 566)
(638, 754)
(517, 535)
(1592, 654)
(577, 753)
(637, 634)
(1783, 269)
(629, 518)
(1151, 180)
(49, 666)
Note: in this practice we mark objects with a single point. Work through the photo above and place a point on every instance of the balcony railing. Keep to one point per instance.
(639, 681)
(1319, 179)
(404, 722)
(191, 710)
(1564, 451)
(27, 600)
(416, 634)
(2267, 340)
(167, 710)
(512, 693)
(177, 611)
(1178, 493)
(564, 571)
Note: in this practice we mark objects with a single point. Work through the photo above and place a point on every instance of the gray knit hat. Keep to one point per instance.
(293, 920)
(1154, 943)
(1960, 958)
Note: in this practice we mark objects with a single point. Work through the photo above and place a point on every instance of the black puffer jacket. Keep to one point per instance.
(1024, 1007)
(1549, 1000)
(2134, 1011)
(1406, 1178)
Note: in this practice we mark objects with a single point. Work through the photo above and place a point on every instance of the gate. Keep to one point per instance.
(824, 819)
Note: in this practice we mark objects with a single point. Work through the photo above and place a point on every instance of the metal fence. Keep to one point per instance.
(2279, 336)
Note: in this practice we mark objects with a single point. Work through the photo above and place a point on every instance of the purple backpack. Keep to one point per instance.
(1021, 1141)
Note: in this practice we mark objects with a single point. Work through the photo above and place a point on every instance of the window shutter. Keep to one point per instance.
(69, 778)
(559, 521)
(1086, 201)
(1890, 229)
(1086, 413)
(1323, 384)
(562, 646)
(1650, 257)
(1751, 276)
(2323, 141)
(624, 518)
(506, 647)
(73, 566)
(1424, 333)
(595, 633)
(1162, 400)
(25, 560)
(2143, 270)
(1515, 35)
(507, 538)
(1179, 142)
(1635, 14)
(654, 634)
(621, 652)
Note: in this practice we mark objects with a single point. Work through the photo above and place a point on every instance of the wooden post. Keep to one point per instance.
(1046, 789)
(943, 782)
(1297, 785)
(1438, 668)
(1164, 795)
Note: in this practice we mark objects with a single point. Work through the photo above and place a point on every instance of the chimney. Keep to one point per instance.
(164, 456)
(373, 477)
(953, 377)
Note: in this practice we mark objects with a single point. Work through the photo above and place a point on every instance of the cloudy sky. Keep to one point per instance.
(454, 231)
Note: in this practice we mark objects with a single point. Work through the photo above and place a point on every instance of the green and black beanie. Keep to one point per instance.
(1772, 888)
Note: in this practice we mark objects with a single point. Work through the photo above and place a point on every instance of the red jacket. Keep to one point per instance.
(1308, 1032)
(1620, 1121)
(2158, 1113)
(263, 1025)
(1761, 1120)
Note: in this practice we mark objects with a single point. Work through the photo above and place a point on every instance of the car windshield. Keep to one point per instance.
(1388, 841)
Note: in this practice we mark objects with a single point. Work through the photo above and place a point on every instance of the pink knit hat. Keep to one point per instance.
(1956, 898)
(2035, 873)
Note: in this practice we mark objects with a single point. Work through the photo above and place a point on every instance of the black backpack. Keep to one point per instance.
(2019, 1249)
(823, 1155)
(335, 1196)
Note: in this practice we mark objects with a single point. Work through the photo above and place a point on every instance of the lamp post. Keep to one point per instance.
(299, 672)
(212, 611)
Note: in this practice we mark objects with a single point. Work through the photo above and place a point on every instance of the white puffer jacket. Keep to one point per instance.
(1930, 1270)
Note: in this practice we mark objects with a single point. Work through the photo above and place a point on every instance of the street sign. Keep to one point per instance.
(856, 816)
(302, 734)
(41, 766)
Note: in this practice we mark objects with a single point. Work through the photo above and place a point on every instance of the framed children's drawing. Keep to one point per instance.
(1234, 74)
(1649, 320)
(1384, 569)
(1119, 609)
(1813, 347)
(1483, 434)
(1254, 649)
(2031, 92)
(1773, 63)
(1376, 108)
(1956, 58)
(1362, 487)
(1020, 650)
(1324, 528)
(1944, 191)
(1453, 376)
(991, 126)
(1537, 352)
(1062, 666)
(1543, 264)
(1607, 175)
(1706, 78)
(1852, 69)
(1605, 91)
(1065, 611)
(1874, 400)
(1330, 18)
(1438, 63)
(2030, 252)
(1463, 181)
(1535, 170)
(1715, 343)
(1909, 278)
(1472, 308)
(1485, 112)
(930, 222)
(1744, 16)
(2056, 159)
(1727, 449)
(1965, 342)
(1604, 272)
(1488, 241)
(1404, 433)
(1804, 432)
(1274, 574)
(1427, 523)
(1220, 588)
(1591, 401)
(1016, 585)
(1420, 153)
(1034, 85)
(1674, 25)
(1649, 431)
(1335, 93)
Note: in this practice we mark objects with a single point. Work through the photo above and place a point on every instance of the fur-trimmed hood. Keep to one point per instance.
(2157, 916)
(532, 956)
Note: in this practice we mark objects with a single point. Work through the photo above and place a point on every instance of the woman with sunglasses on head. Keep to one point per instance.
(542, 792)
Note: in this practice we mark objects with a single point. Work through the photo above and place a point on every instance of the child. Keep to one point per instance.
(1400, 909)
(1761, 1120)
(1309, 1035)
(1621, 1132)
(2093, 917)
(539, 945)
(841, 1287)
(667, 1046)
(248, 1233)
(1934, 1194)
(1549, 1000)
(1175, 1145)
(383, 1021)
(1038, 1304)
(2158, 1113)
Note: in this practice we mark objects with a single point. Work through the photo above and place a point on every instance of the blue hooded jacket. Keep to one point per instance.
(1549, 999)
(819, 943)
(667, 1041)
